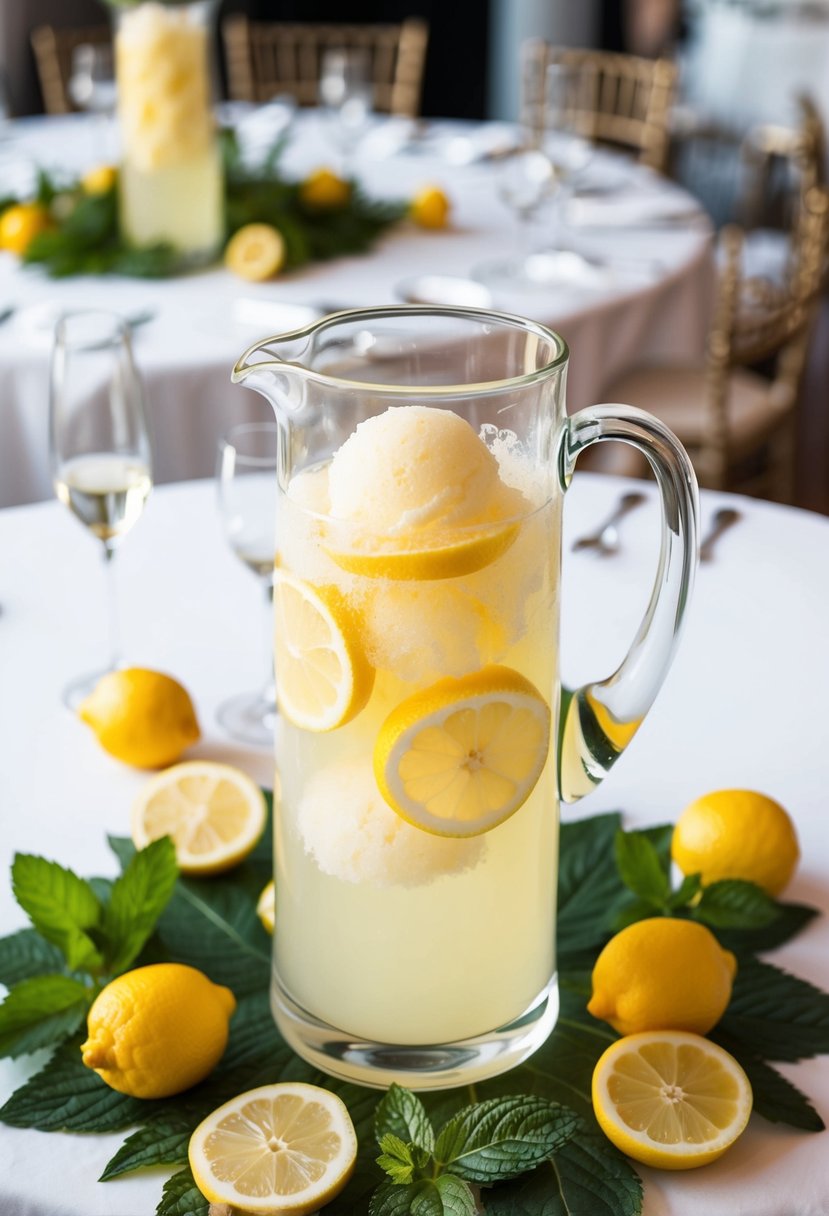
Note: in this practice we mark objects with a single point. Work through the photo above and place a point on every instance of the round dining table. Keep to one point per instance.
(743, 706)
(638, 286)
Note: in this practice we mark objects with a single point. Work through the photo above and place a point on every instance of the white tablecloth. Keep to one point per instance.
(744, 705)
(656, 307)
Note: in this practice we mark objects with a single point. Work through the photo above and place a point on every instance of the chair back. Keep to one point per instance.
(781, 165)
(758, 323)
(617, 99)
(53, 49)
(267, 58)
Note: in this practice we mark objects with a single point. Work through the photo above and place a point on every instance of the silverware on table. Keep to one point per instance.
(605, 540)
(723, 519)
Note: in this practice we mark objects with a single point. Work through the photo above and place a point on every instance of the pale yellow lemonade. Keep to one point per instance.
(384, 929)
(171, 176)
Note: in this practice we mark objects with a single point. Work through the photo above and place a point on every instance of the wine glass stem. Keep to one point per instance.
(269, 689)
(112, 607)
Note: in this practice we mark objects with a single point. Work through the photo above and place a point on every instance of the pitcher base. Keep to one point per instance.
(431, 1066)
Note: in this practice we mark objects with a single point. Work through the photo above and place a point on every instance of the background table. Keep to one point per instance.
(744, 705)
(657, 307)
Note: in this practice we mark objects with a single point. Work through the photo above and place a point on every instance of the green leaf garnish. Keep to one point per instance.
(40, 1012)
(640, 868)
(502, 1137)
(735, 904)
(401, 1113)
(62, 907)
(25, 954)
(136, 901)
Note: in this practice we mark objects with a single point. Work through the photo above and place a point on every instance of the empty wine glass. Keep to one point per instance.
(347, 93)
(99, 444)
(92, 88)
(525, 182)
(246, 480)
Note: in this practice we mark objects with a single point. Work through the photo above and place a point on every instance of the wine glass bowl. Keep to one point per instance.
(99, 442)
(347, 93)
(246, 484)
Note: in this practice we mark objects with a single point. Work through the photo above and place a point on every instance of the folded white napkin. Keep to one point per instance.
(632, 210)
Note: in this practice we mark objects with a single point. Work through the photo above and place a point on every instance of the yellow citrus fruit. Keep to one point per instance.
(20, 224)
(266, 907)
(324, 190)
(141, 717)
(451, 560)
(461, 756)
(430, 208)
(280, 1150)
(670, 1099)
(737, 834)
(157, 1030)
(323, 679)
(662, 974)
(256, 252)
(214, 813)
(99, 180)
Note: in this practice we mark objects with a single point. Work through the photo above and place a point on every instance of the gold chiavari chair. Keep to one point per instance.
(266, 58)
(798, 154)
(737, 422)
(617, 99)
(53, 49)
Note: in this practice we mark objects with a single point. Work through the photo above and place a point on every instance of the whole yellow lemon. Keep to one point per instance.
(255, 252)
(141, 717)
(20, 224)
(430, 208)
(157, 1030)
(325, 190)
(662, 974)
(737, 834)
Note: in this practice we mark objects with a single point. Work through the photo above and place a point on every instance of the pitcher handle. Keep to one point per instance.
(598, 720)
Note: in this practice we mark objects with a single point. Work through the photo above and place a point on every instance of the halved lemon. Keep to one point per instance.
(256, 252)
(451, 560)
(282, 1149)
(323, 679)
(461, 756)
(670, 1099)
(214, 813)
(266, 907)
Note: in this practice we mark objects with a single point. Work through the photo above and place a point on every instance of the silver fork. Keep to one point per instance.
(605, 540)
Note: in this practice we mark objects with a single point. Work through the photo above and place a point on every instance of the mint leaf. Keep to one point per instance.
(734, 903)
(687, 890)
(61, 906)
(637, 909)
(403, 1114)
(397, 1158)
(774, 1015)
(164, 1141)
(456, 1196)
(392, 1200)
(182, 1197)
(40, 1012)
(791, 918)
(67, 1096)
(502, 1137)
(136, 901)
(588, 1177)
(443, 1196)
(775, 1098)
(640, 868)
(212, 925)
(25, 954)
(590, 891)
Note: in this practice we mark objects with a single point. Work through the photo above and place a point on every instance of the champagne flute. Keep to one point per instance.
(246, 481)
(99, 444)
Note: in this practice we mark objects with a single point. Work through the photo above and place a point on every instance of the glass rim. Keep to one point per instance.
(118, 331)
(505, 320)
(226, 444)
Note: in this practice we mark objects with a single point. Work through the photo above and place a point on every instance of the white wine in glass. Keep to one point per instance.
(246, 480)
(99, 443)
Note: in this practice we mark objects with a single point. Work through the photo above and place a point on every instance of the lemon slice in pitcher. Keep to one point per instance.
(323, 679)
(461, 756)
(286, 1148)
(670, 1099)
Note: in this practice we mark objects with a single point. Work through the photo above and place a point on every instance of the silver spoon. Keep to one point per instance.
(723, 519)
(605, 540)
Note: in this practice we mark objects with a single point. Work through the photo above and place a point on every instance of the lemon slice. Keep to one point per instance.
(460, 757)
(323, 679)
(214, 813)
(670, 1099)
(452, 560)
(256, 252)
(266, 906)
(281, 1149)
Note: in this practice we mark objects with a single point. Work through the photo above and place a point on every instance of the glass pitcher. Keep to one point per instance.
(423, 740)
